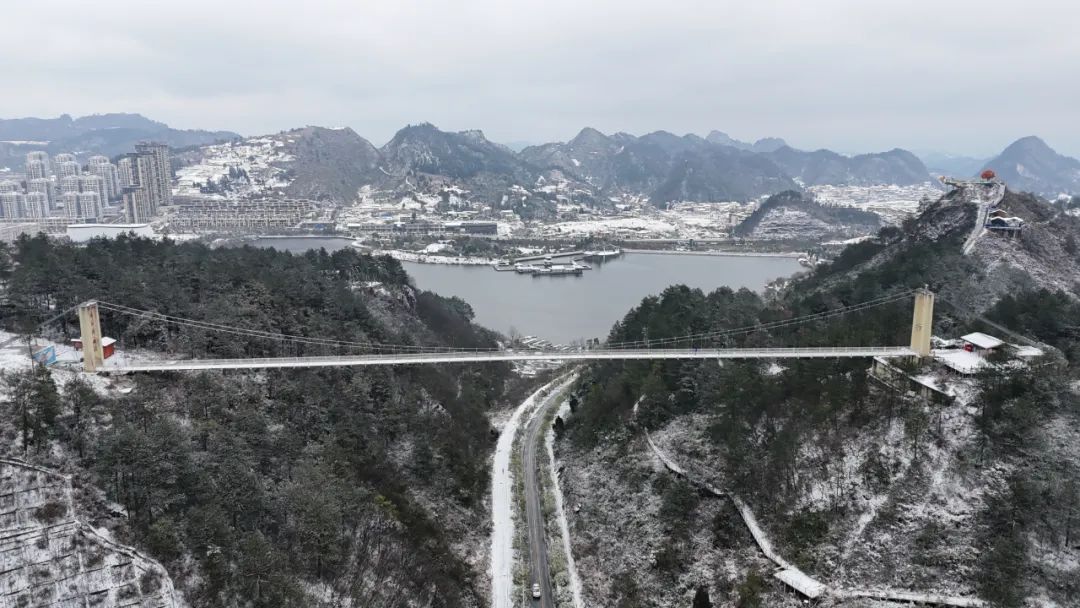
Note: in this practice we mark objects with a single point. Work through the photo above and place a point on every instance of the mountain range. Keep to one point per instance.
(107, 134)
(1031, 165)
(668, 167)
(1028, 164)
(661, 166)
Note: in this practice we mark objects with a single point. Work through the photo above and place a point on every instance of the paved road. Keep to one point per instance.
(539, 572)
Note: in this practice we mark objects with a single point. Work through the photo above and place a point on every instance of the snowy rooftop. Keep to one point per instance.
(960, 360)
(982, 340)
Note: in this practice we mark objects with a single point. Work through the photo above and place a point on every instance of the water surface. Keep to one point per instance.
(564, 309)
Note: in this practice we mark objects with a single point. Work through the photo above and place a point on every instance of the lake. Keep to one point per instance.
(564, 309)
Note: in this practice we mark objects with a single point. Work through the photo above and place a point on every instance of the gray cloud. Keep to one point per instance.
(961, 75)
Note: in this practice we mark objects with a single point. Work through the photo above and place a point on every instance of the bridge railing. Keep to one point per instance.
(522, 355)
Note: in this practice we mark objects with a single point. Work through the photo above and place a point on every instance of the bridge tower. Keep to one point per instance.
(922, 322)
(90, 327)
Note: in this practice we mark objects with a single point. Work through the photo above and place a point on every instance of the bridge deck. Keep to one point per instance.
(509, 355)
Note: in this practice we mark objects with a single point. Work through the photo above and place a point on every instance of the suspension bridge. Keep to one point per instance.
(692, 346)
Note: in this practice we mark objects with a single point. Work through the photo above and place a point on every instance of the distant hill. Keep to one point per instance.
(108, 134)
(665, 166)
(722, 174)
(790, 216)
(766, 144)
(329, 164)
(424, 148)
(1031, 165)
(425, 155)
(827, 167)
(671, 167)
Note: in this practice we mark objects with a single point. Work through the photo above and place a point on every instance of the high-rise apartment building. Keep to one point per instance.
(36, 205)
(88, 182)
(81, 205)
(90, 205)
(137, 205)
(152, 176)
(125, 174)
(69, 203)
(101, 167)
(161, 188)
(65, 168)
(37, 165)
(45, 187)
(8, 186)
(11, 204)
(68, 183)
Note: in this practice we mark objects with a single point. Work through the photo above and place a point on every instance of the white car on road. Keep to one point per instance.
(536, 591)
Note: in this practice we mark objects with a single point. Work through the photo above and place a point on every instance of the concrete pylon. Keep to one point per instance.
(90, 327)
(922, 322)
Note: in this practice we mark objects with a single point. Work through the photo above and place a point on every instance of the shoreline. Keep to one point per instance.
(730, 254)
(424, 258)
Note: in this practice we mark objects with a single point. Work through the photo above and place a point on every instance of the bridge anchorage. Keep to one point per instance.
(681, 347)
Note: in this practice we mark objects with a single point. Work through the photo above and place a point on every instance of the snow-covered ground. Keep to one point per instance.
(16, 357)
(611, 226)
(428, 258)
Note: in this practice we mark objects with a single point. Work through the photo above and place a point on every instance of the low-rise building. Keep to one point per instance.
(238, 216)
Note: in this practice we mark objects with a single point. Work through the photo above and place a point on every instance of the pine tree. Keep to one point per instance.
(35, 403)
(701, 598)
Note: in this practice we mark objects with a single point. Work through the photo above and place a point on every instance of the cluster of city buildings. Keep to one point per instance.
(61, 187)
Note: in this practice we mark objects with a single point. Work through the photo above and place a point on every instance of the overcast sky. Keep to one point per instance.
(962, 76)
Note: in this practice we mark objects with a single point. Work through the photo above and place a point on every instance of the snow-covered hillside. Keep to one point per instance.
(248, 167)
(784, 223)
(48, 557)
(892, 202)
